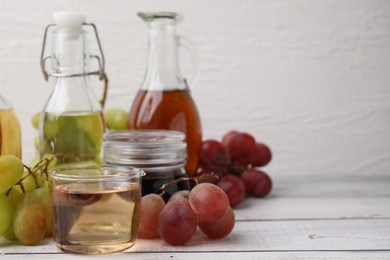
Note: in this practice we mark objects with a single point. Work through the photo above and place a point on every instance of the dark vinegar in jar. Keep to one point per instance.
(169, 110)
(152, 182)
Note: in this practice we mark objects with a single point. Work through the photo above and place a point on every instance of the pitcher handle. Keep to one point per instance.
(192, 51)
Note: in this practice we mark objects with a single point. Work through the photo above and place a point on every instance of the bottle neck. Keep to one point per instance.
(163, 71)
(4, 105)
(70, 56)
(70, 52)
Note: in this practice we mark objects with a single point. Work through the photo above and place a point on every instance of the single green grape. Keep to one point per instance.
(42, 194)
(29, 220)
(14, 196)
(11, 170)
(15, 193)
(6, 213)
(53, 160)
(46, 184)
(29, 183)
(93, 128)
(40, 179)
(51, 127)
(35, 120)
(116, 119)
(9, 233)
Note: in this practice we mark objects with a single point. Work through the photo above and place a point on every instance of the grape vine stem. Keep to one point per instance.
(194, 179)
(39, 169)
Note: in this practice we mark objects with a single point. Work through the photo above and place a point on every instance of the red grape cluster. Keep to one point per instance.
(206, 206)
(234, 161)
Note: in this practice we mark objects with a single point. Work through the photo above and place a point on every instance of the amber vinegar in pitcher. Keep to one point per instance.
(172, 110)
(164, 100)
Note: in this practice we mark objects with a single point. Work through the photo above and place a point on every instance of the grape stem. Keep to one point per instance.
(194, 179)
(39, 169)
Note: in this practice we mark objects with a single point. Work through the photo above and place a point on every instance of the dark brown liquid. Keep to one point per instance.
(152, 183)
(169, 110)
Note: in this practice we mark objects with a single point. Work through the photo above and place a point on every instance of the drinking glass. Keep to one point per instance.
(95, 209)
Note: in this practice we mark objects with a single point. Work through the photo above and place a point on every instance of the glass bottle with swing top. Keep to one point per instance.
(71, 125)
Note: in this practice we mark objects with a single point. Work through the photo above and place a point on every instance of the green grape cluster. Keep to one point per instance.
(116, 119)
(74, 138)
(24, 196)
(71, 137)
(24, 200)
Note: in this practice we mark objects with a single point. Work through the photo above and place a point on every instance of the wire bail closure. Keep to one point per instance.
(101, 62)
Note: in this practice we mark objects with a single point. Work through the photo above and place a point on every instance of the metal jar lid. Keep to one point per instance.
(144, 148)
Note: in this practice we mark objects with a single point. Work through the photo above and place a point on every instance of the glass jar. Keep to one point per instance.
(160, 153)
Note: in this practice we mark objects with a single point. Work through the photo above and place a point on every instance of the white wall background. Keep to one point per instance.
(311, 78)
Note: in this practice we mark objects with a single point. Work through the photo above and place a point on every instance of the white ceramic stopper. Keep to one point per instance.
(69, 22)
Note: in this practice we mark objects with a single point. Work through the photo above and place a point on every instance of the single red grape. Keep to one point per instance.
(257, 183)
(208, 201)
(234, 188)
(218, 228)
(240, 146)
(151, 206)
(182, 193)
(261, 156)
(229, 135)
(214, 154)
(177, 222)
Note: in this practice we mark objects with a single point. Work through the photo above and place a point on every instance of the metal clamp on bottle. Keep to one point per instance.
(73, 24)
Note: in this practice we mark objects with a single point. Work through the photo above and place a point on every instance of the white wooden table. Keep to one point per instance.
(301, 219)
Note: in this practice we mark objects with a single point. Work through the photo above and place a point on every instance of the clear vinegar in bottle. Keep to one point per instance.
(72, 125)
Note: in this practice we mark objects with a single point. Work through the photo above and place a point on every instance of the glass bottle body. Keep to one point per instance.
(10, 132)
(71, 125)
(164, 100)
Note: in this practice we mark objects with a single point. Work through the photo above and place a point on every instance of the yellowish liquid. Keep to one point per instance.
(72, 137)
(10, 134)
(95, 220)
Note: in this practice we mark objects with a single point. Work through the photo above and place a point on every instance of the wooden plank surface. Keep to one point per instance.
(378, 255)
(302, 220)
(261, 236)
(332, 187)
(301, 208)
(320, 199)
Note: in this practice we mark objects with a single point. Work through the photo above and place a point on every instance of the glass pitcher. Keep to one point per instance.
(10, 132)
(163, 100)
(71, 124)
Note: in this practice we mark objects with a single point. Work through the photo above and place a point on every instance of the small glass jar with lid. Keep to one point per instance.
(161, 154)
